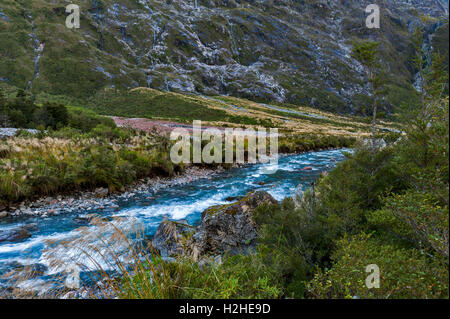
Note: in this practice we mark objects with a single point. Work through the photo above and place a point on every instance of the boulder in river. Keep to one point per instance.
(83, 219)
(33, 270)
(230, 228)
(21, 273)
(17, 234)
(226, 228)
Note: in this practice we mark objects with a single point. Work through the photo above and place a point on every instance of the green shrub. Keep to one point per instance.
(238, 277)
(283, 247)
(417, 217)
(404, 273)
(85, 120)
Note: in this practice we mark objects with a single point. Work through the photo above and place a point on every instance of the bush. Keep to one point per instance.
(404, 273)
(284, 245)
(418, 218)
(85, 120)
(238, 277)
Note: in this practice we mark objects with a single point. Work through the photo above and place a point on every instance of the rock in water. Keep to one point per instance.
(33, 271)
(17, 234)
(224, 228)
(73, 279)
(230, 228)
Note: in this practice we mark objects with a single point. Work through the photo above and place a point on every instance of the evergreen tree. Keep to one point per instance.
(366, 54)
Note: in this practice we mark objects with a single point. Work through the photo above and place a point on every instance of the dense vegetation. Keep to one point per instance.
(21, 111)
(51, 164)
(75, 149)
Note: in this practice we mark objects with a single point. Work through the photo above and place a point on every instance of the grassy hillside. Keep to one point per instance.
(214, 110)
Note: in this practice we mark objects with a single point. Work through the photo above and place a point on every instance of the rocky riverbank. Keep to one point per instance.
(100, 198)
(9, 131)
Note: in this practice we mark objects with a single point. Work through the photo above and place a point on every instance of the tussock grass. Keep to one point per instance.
(33, 166)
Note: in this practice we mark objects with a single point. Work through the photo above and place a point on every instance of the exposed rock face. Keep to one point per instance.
(223, 229)
(171, 237)
(283, 50)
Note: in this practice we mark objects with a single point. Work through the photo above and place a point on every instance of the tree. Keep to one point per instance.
(366, 54)
(422, 158)
(2, 102)
(58, 113)
(424, 121)
(25, 105)
(433, 76)
(4, 118)
(51, 114)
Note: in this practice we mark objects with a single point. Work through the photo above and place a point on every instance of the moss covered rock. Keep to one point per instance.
(224, 229)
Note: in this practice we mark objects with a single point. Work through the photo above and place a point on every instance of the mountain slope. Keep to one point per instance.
(267, 50)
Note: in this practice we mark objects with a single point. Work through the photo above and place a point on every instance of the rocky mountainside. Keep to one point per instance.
(291, 51)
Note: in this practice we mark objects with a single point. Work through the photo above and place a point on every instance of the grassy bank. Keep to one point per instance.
(49, 165)
(212, 110)
(76, 149)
